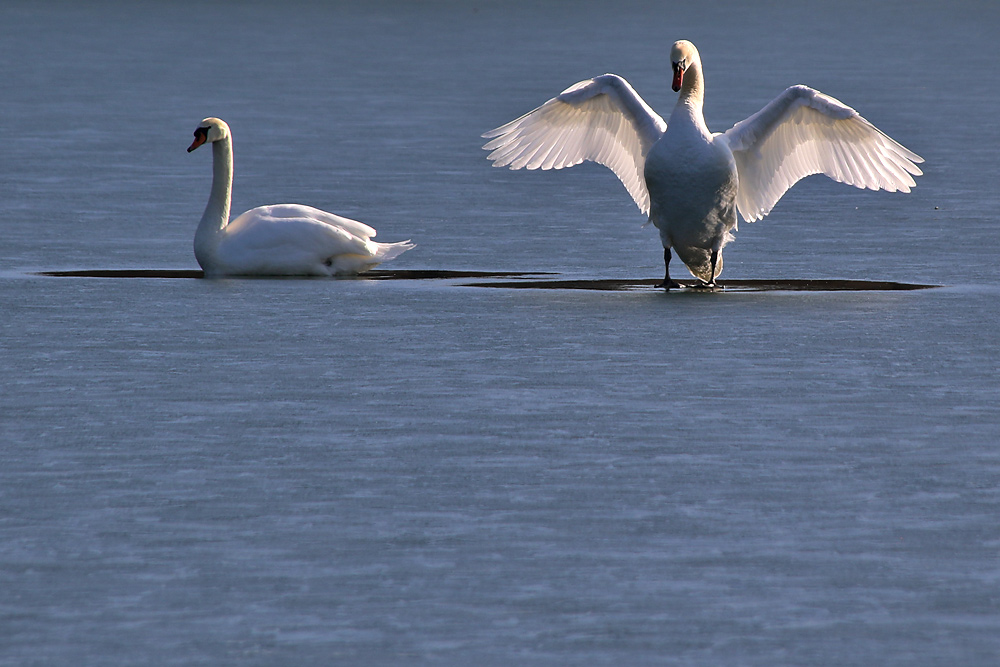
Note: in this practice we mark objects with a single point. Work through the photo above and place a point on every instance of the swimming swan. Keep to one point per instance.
(690, 181)
(278, 240)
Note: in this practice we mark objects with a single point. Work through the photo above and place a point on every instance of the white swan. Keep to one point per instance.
(692, 182)
(278, 240)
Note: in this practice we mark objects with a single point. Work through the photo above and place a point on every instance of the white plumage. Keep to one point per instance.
(692, 182)
(602, 120)
(276, 240)
(804, 132)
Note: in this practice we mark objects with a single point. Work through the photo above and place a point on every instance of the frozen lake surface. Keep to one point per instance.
(420, 472)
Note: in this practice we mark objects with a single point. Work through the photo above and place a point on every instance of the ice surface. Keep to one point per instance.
(407, 472)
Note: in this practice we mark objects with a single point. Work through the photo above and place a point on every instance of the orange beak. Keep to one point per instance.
(200, 137)
(678, 78)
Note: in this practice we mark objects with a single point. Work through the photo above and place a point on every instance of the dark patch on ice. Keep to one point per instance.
(125, 273)
(528, 280)
(378, 274)
(723, 285)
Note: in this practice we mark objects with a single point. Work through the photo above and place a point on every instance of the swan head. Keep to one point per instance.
(209, 131)
(683, 54)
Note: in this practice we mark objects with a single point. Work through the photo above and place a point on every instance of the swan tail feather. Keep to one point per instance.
(386, 251)
(349, 264)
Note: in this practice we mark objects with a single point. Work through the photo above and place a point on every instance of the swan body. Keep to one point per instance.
(277, 240)
(693, 183)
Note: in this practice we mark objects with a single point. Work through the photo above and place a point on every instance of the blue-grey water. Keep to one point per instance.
(348, 472)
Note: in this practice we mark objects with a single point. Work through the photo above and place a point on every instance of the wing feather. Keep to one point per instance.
(805, 132)
(601, 119)
(308, 212)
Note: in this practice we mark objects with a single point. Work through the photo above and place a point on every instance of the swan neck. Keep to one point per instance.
(216, 215)
(693, 88)
(689, 110)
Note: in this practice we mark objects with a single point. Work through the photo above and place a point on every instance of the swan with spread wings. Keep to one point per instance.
(693, 182)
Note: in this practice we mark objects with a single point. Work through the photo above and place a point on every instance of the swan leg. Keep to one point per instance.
(710, 284)
(715, 261)
(667, 282)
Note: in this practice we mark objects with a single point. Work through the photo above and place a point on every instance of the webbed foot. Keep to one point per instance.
(667, 283)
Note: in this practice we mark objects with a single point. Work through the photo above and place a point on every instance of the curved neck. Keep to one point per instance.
(693, 88)
(216, 214)
(691, 100)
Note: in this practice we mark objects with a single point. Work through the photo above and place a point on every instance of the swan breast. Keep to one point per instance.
(693, 183)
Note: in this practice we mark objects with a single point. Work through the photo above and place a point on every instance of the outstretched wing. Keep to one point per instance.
(602, 119)
(805, 132)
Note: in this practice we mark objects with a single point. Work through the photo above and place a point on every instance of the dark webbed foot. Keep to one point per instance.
(667, 282)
